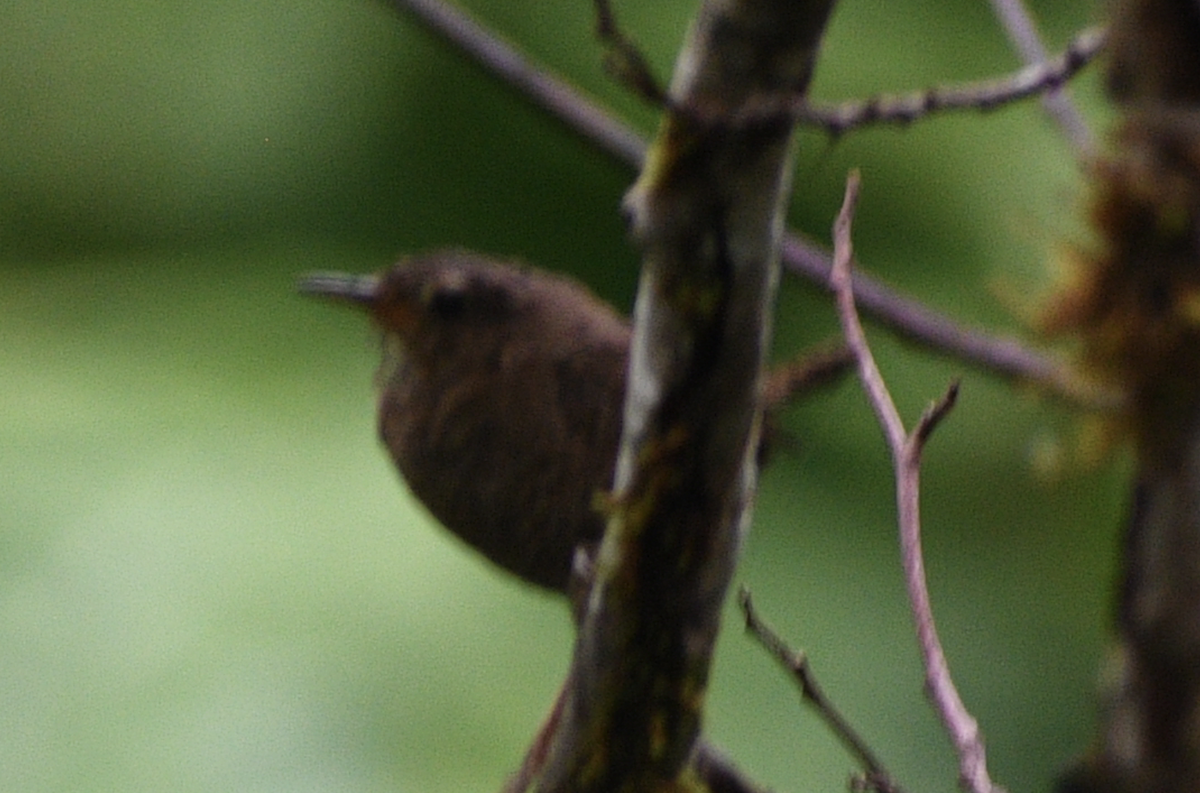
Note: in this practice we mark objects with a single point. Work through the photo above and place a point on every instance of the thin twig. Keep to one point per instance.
(805, 372)
(933, 416)
(624, 60)
(877, 777)
(1043, 75)
(1022, 32)
(911, 319)
(558, 97)
(880, 399)
(1039, 78)
(906, 457)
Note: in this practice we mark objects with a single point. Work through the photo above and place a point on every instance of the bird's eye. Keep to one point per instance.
(447, 302)
(445, 296)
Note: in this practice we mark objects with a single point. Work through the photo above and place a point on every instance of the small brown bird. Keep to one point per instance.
(501, 401)
(502, 392)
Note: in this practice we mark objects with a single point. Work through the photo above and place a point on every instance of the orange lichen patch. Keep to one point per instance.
(1135, 305)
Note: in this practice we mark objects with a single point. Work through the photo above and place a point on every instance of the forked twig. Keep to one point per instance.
(876, 777)
(906, 451)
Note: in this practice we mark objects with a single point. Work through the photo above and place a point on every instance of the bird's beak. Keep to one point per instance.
(359, 290)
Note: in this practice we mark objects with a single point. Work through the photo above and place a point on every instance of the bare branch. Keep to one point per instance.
(624, 60)
(805, 372)
(912, 320)
(1039, 78)
(877, 777)
(934, 414)
(1022, 32)
(868, 372)
(555, 95)
(906, 455)
(718, 773)
(1043, 76)
(1005, 357)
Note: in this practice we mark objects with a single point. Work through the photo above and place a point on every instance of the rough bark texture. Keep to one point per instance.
(707, 214)
(1137, 308)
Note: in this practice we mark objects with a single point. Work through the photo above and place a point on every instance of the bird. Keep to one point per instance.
(501, 391)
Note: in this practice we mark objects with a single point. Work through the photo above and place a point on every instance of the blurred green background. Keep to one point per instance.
(210, 577)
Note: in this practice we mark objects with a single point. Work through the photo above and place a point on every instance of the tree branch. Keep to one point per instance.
(906, 457)
(554, 95)
(1039, 78)
(876, 777)
(1007, 358)
(1023, 33)
(624, 61)
(707, 215)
